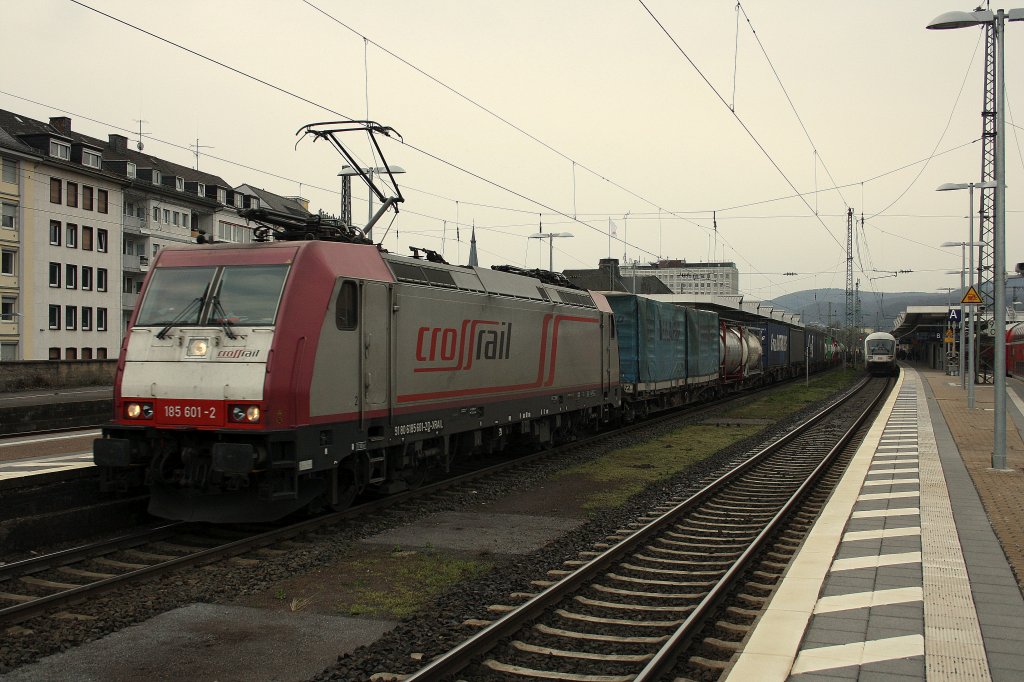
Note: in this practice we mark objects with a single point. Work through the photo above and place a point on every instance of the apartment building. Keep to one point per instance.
(82, 219)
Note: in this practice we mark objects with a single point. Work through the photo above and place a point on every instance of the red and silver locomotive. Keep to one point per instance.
(255, 380)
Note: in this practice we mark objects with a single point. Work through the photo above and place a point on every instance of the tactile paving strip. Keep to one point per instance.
(954, 649)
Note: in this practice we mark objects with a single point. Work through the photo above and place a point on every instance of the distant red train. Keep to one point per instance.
(1015, 349)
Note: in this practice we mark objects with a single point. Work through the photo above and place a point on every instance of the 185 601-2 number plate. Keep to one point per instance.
(189, 412)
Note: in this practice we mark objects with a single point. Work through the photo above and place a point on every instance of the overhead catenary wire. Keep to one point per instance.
(739, 120)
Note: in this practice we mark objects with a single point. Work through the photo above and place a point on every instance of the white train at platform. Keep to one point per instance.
(880, 354)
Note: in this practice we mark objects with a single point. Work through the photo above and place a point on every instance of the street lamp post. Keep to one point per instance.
(367, 173)
(963, 314)
(997, 20)
(949, 306)
(550, 236)
(972, 340)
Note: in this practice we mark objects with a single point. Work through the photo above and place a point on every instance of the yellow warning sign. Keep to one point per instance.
(971, 297)
(949, 336)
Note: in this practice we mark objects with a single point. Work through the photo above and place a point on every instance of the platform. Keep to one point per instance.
(903, 576)
(21, 463)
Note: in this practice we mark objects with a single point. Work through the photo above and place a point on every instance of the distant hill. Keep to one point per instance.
(877, 310)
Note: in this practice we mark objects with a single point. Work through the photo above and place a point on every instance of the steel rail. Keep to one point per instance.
(459, 657)
(665, 659)
(30, 609)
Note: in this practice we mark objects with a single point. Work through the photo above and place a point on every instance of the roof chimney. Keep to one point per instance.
(61, 123)
(118, 142)
(302, 201)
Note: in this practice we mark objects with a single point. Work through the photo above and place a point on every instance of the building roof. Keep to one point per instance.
(295, 206)
(606, 277)
(114, 149)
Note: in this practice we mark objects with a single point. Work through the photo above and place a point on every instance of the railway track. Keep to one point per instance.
(43, 584)
(51, 582)
(630, 610)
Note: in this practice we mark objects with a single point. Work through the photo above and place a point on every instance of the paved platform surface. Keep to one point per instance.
(909, 572)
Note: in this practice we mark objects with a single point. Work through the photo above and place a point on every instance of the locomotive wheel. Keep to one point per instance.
(348, 489)
(416, 476)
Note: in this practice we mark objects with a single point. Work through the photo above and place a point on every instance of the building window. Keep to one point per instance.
(70, 353)
(87, 197)
(10, 170)
(222, 195)
(86, 352)
(54, 275)
(86, 319)
(8, 304)
(71, 276)
(54, 317)
(60, 150)
(86, 278)
(91, 159)
(101, 200)
(70, 317)
(72, 194)
(156, 214)
(156, 177)
(201, 189)
(7, 261)
(55, 230)
(128, 247)
(101, 240)
(131, 171)
(177, 216)
(184, 219)
(101, 353)
(128, 208)
(101, 279)
(10, 216)
(86, 238)
(56, 190)
(54, 353)
(179, 184)
(101, 320)
(167, 216)
(71, 236)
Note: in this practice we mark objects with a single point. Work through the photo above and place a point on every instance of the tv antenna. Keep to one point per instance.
(138, 144)
(195, 150)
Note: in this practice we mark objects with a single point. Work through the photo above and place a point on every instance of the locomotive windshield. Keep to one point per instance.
(880, 347)
(243, 294)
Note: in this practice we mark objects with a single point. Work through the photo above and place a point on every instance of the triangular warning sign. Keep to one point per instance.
(971, 297)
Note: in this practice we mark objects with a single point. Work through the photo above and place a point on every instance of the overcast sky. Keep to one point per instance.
(612, 120)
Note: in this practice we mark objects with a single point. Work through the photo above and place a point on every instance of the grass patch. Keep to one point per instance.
(401, 587)
(617, 476)
(795, 397)
(621, 474)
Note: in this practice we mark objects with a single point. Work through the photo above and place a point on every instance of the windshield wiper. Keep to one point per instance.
(195, 305)
(219, 313)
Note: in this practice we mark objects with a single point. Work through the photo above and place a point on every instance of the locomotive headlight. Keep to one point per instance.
(198, 347)
(245, 414)
(139, 410)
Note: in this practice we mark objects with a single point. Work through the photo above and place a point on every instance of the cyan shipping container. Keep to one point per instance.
(652, 341)
(775, 344)
(702, 345)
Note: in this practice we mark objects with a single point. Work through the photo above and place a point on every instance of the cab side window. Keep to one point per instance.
(347, 307)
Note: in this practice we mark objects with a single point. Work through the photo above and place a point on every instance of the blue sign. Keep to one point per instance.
(954, 315)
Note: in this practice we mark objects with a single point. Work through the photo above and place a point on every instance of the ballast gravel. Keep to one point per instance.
(413, 641)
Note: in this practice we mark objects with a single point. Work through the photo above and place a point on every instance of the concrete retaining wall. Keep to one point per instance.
(34, 374)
